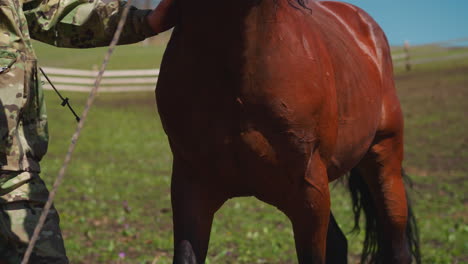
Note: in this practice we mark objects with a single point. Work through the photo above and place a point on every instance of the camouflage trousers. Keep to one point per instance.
(22, 198)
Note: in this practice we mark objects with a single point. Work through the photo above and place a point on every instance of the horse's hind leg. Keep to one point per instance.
(193, 208)
(309, 209)
(381, 172)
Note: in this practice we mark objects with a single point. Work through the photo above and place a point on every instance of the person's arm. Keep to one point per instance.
(85, 24)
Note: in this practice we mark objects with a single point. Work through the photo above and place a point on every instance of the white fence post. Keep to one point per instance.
(407, 55)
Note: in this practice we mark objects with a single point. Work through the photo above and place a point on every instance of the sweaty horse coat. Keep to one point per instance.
(273, 100)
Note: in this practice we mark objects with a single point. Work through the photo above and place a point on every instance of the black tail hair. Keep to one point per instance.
(372, 251)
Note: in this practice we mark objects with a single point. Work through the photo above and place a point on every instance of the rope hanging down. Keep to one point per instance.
(65, 101)
(76, 135)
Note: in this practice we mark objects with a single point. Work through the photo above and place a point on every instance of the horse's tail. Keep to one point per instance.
(373, 244)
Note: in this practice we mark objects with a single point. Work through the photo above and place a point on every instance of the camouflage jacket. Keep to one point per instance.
(63, 23)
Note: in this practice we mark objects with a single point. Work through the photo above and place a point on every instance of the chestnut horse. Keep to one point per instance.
(275, 99)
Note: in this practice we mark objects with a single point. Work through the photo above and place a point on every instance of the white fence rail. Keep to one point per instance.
(113, 80)
(429, 60)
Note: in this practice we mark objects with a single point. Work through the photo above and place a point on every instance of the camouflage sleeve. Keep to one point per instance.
(85, 23)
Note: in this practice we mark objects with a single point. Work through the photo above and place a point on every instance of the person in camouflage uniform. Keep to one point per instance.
(23, 119)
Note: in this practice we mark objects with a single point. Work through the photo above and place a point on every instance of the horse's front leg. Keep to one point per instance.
(193, 206)
(337, 244)
(309, 211)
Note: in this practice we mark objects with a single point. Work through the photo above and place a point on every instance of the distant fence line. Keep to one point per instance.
(145, 79)
(408, 57)
(428, 60)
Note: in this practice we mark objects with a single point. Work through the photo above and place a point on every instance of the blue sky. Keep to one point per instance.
(419, 21)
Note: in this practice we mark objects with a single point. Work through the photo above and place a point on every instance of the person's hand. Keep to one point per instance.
(163, 17)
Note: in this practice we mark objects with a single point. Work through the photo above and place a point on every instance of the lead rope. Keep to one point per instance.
(76, 135)
(65, 101)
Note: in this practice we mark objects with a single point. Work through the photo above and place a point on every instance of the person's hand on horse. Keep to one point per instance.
(163, 17)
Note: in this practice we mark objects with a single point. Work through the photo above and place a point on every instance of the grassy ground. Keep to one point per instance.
(115, 199)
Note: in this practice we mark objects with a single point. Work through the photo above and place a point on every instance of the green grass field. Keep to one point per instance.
(115, 198)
